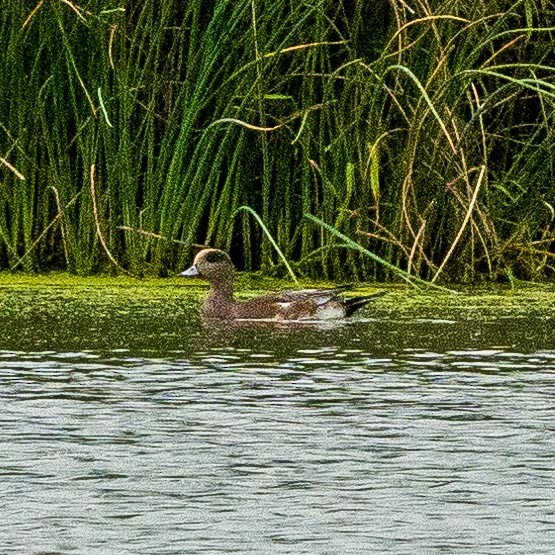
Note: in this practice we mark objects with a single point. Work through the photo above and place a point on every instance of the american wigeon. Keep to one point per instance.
(306, 304)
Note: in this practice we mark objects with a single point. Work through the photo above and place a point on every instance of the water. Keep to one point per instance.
(126, 427)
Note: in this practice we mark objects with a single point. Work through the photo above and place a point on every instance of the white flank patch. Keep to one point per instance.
(330, 312)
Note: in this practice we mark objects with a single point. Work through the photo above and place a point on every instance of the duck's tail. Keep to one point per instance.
(355, 303)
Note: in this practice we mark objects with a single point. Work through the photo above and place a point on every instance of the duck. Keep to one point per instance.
(216, 267)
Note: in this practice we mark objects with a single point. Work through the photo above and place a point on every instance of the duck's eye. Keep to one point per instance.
(216, 256)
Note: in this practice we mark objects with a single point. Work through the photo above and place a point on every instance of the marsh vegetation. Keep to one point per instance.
(423, 131)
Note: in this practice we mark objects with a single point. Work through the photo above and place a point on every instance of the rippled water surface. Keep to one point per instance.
(129, 427)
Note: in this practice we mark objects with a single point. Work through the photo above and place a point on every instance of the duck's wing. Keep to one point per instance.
(318, 296)
(303, 304)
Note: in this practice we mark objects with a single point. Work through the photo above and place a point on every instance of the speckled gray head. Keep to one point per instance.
(210, 261)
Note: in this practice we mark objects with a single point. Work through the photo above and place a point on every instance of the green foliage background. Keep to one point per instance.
(132, 130)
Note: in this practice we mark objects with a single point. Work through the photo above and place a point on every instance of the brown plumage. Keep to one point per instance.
(306, 304)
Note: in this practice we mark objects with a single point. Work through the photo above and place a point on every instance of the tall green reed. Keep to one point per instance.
(424, 131)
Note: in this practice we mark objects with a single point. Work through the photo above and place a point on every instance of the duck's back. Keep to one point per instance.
(293, 305)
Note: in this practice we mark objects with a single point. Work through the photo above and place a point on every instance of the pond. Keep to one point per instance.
(129, 426)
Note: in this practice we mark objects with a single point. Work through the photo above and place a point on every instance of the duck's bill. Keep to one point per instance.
(192, 271)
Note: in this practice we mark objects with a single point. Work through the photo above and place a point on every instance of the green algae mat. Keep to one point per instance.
(64, 312)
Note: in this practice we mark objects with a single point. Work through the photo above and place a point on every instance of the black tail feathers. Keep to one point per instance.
(355, 303)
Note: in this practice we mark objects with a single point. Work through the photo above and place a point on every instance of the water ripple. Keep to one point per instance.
(319, 450)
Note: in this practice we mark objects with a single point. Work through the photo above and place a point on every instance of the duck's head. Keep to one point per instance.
(212, 265)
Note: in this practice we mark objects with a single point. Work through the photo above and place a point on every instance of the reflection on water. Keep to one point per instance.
(138, 430)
